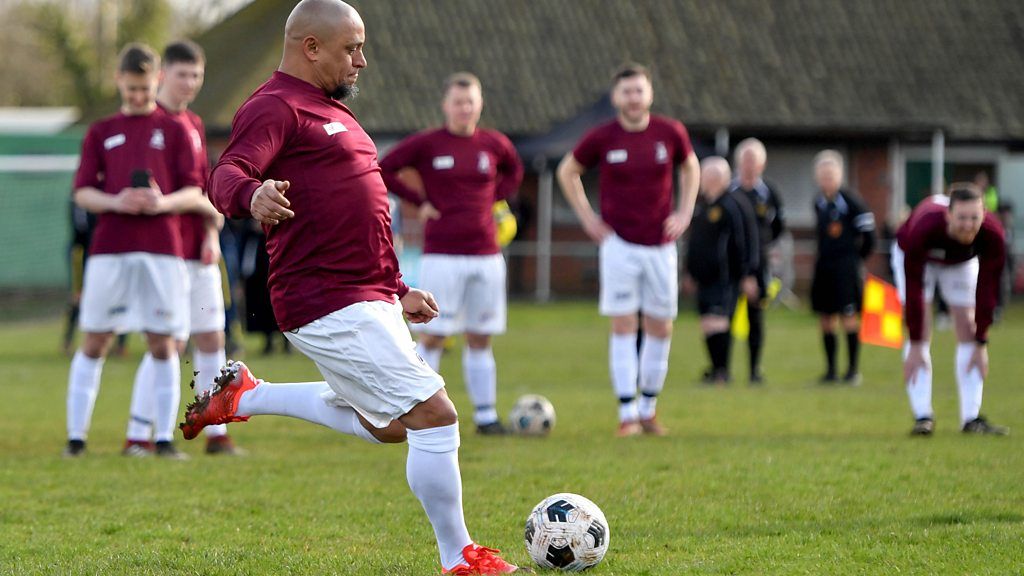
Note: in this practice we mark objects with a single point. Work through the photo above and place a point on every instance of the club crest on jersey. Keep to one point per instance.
(835, 229)
(197, 140)
(616, 156)
(483, 163)
(660, 153)
(444, 162)
(714, 214)
(762, 209)
(333, 128)
(114, 141)
(157, 139)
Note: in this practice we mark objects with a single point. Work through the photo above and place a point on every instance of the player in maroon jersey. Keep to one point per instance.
(299, 162)
(137, 172)
(464, 170)
(183, 68)
(953, 242)
(637, 155)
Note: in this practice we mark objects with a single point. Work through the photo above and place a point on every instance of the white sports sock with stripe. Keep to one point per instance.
(969, 383)
(83, 386)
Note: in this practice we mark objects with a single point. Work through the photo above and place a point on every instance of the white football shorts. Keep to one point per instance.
(637, 278)
(470, 293)
(205, 299)
(958, 282)
(134, 292)
(369, 360)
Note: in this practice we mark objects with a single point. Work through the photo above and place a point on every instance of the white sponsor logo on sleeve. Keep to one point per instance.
(616, 156)
(444, 162)
(333, 128)
(113, 142)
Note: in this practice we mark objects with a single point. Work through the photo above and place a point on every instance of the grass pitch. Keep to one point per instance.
(791, 478)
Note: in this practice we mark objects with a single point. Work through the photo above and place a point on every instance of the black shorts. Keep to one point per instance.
(837, 288)
(716, 299)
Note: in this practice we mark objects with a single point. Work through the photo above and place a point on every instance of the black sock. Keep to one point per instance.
(853, 347)
(756, 337)
(718, 349)
(830, 351)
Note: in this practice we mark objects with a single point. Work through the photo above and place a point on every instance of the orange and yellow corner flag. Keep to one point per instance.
(882, 315)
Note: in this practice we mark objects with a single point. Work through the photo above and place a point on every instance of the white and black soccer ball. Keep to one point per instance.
(533, 415)
(567, 532)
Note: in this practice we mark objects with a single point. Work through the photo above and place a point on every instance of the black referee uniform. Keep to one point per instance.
(769, 224)
(846, 236)
(718, 257)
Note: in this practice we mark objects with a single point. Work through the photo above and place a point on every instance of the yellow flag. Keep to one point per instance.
(740, 321)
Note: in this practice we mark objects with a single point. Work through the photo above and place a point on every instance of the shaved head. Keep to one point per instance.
(323, 45)
(317, 18)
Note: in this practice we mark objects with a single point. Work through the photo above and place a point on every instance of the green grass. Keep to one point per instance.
(791, 478)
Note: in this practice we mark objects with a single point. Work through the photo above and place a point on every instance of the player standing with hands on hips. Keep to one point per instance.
(637, 155)
(464, 170)
(300, 163)
(953, 242)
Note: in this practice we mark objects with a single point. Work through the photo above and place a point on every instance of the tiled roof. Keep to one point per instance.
(790, 66)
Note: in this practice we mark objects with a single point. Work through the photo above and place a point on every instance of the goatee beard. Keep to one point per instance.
(344, 92)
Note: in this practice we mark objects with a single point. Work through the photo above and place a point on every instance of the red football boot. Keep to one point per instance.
(220, 404)
(481, 560)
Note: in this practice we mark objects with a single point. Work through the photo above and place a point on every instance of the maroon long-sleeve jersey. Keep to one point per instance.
(338, 249)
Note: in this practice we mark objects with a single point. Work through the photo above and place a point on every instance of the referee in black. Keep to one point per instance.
(750, 158)
(718, 258)
(846, 235)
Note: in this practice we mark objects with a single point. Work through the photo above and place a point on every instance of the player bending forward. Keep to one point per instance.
(300, 163)
(954, 243)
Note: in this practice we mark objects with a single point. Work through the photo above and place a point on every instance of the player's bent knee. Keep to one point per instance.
(394, 433)
(435, 411)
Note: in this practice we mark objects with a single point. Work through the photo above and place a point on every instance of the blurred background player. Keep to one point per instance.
(846, 236)
(334, 279)
(750, 159)
(718, 257)
(954, 243)
(82, 224)
(460, 171)
(183, 67)
(137, 172)
(637, 156)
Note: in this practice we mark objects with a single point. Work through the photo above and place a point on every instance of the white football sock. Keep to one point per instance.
(432, 356)
(432, 469)
(624, 365)
(167, 397)
(143, 407)
(919, 388)
(653, 370)
(83, 385)
(305, 401)
(481, 375)
(969, 383)
(207, 366)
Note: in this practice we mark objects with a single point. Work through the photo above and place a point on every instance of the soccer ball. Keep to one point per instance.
(532, 415)
(567, 532)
